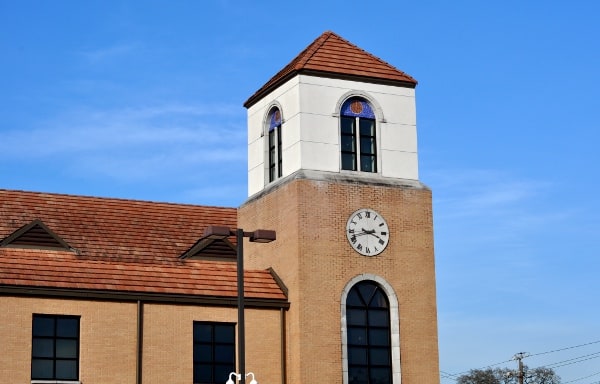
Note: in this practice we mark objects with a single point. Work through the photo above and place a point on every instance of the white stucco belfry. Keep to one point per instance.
(311, 134)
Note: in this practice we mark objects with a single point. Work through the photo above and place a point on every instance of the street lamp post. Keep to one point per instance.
(257, 236)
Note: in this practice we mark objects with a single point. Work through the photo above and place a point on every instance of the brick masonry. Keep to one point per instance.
(316, 262)
(108, 339)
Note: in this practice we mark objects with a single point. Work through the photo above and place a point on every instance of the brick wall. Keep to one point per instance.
(168, 342)
(108, 337)
(315, 261)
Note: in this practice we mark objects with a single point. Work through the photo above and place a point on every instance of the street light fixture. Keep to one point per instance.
(215, 232)
(239, 376)
(252, 381)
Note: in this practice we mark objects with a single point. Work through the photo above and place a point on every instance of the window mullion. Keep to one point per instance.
(55, 343)
(357, 138)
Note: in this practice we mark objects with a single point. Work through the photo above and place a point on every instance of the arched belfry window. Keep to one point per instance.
(274, 125)
(357, 132)
(369, 351)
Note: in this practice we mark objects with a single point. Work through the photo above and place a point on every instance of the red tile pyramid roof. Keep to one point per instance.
(332, 56)
(122, 246)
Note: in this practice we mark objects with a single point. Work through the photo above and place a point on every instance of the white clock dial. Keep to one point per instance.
(367, 232)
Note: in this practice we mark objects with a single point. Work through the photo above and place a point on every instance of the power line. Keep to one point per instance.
(581, 378)
(574, 360)
(448, 375)
(564, 349)
(454, 376)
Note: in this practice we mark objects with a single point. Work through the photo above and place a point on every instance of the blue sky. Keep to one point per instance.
(143, 100)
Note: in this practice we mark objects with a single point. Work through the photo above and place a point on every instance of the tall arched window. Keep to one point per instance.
(357, 132)
(275, 163)
(368, 334)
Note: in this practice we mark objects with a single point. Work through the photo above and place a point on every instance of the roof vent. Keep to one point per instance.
(212, 249)
(35, 235)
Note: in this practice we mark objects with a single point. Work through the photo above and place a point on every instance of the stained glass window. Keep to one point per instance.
(358, 136)
(275, 158)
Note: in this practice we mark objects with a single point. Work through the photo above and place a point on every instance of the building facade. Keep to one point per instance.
(117, 291)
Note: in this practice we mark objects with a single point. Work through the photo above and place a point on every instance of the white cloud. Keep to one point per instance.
(492, 238)
(135, 143)
(88, 130)
(504, 279)
(471, 192)
(98, 55)
(492, 208)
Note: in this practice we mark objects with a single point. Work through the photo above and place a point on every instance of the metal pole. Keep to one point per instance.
(241, 324)
(521, 374)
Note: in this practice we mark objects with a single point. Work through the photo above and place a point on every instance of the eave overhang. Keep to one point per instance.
(124, 296)
(261, 93)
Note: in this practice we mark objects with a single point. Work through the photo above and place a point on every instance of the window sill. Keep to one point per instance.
(55, 382)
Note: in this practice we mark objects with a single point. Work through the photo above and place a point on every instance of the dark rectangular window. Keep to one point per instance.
(348, 137)
(214, 352)
(275, 155)
(359, 151)
(368, 159)
(279, 156)
(55, 347)
(272, 149)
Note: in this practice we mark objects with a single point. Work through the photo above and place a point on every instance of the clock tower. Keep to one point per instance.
(332, 167)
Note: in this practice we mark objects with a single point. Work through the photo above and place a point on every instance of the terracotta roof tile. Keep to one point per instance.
(122, 245)
(332, 56)
(114, 229)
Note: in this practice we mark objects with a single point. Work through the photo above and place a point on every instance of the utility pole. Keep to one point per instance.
(519, 357)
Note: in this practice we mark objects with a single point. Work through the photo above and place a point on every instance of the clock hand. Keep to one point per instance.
(370, 232)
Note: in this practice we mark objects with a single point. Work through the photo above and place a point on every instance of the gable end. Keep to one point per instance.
(35, 235)
(212, 249)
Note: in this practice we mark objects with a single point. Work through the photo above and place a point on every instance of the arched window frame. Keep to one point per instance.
(273, 143)
(394, 324)
(377, 119)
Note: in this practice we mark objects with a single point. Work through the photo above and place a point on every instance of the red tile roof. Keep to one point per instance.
(121, 246)
(332, 56)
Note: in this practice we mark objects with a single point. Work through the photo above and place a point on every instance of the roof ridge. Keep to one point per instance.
(107, 198)
(373, 56)
(330, 55)
(299, 61)
(314, 47)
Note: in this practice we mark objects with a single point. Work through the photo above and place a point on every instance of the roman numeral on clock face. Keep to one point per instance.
(367, 232)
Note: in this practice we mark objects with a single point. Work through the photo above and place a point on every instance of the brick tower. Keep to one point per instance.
(332, 167)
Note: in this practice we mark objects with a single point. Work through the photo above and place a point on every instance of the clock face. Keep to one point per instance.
(367, 232)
